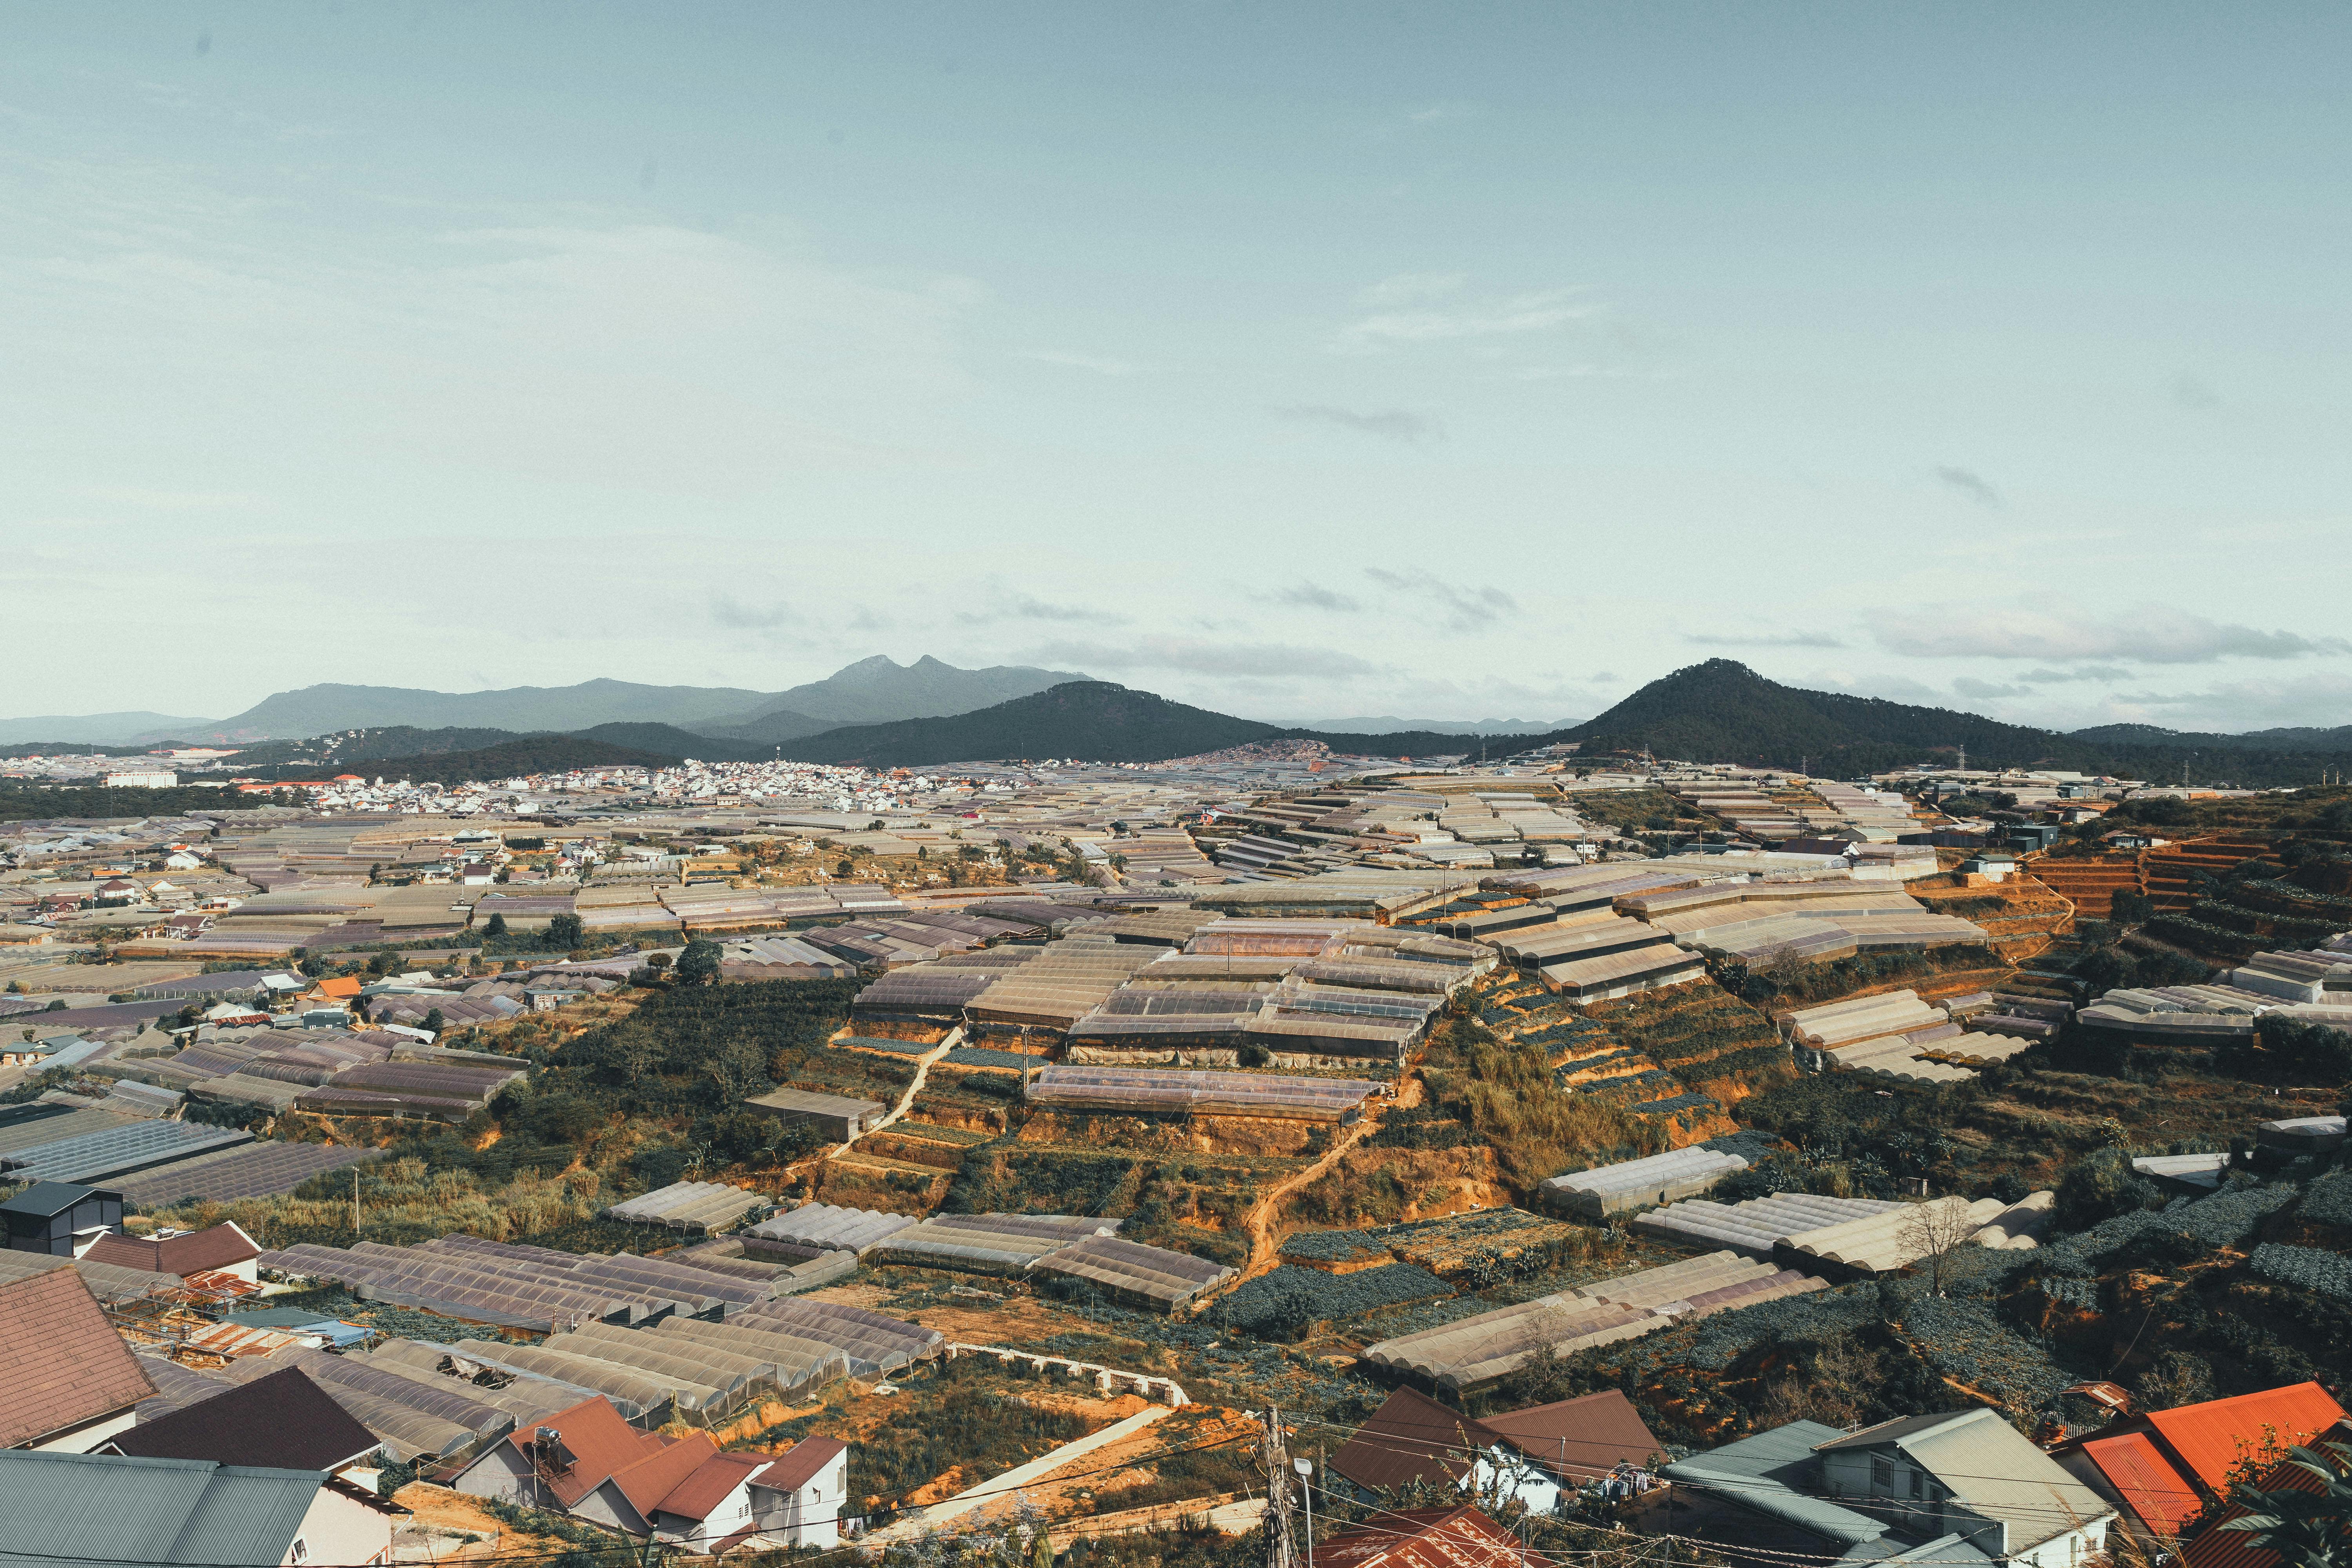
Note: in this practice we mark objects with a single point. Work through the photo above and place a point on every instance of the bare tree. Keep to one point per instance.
(1931, 1230)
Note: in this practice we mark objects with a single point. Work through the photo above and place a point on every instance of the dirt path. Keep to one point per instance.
(914, 1086)
(1259, 1221)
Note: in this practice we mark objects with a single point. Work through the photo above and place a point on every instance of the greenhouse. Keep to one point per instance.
(1756, 1226)
(812, 1229)
(126, 1147)
(1606, 1190)
(689, 1206)
(1144, 1090)
(986, 1244)
(1476, 1351)
(1134, 1275)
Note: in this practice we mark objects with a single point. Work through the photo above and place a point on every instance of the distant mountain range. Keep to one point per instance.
(1719, 711)
(871, 692)
(93, 729)
(1389, 724)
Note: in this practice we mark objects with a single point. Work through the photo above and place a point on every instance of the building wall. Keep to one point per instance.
(500, 1473)
(83, 1439)
(340, 1530)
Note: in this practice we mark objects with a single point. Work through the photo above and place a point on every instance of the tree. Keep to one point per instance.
(2130, 906)
(2305, 1516)
(497, 927)
(565, 931)
(699, 961)
(434, 1022)
(737, 1067)
(1931, 1230)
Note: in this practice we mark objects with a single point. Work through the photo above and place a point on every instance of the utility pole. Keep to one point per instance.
(1306, 1468)
(355, 1203)
(1278, 1553)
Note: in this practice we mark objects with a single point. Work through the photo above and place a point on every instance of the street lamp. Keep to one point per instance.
(1306, 1468)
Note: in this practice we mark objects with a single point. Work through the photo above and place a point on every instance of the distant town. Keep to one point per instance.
(1548, 1147)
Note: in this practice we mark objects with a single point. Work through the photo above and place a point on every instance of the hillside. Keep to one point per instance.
(2277, 741)
(514, 758)
(879, 690)
(1723, 711)
(317, 709)
(1093, 720)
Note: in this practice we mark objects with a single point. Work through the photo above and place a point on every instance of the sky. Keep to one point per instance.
(1444, 361)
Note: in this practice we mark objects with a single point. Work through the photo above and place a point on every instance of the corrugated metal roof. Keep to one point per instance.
(102, 1509)
(2211, 1438)
(2146, 1480)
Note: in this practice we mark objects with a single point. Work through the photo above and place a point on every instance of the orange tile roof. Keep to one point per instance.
(345, 986)
(2146, 1480)
(61, 1363)
(2213, 1438)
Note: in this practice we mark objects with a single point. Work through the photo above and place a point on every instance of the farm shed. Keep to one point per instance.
(1134, 1275)
(836, 1118)
(1606, 1190)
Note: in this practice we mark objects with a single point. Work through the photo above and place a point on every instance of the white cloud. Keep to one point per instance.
(1388, 424)
(2150, 634)
(1191, 655)
(1518, 316)
(1097, 363)
(1463, 608)
(1412, 289)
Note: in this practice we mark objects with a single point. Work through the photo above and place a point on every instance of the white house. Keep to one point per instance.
(1969, 1473)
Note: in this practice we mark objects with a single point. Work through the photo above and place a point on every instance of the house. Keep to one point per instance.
(121, 1508)
(1429, 1538)
(67, 1383)
(589, 1462)
(115, 893)
(1533, 1454)
(182, 861)
(281, 1422)
(224, 1248)
(836, 1118)
(62, 1218)
(2162, 1469)
(337, 992)
(37, 1054)
(1956, 1487)
(192, 923)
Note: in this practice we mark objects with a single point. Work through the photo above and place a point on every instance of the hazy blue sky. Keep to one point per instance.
(1301, 360)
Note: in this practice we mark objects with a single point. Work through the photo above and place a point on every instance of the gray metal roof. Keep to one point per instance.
(1765, 1472)
(101, 1509)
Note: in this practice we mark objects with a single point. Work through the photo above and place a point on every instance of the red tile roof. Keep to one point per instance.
(1429, 1538)
(1581, 1439)
(598, 1441)
(2146, 1480)
(198, 1252)
(802, 1462)
(2213, 1438)
(656, 1475)
(710, 1483)
(1409, 1437)
(61, 1363)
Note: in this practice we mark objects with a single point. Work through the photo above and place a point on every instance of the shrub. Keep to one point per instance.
(2306, 1268)
(2097, 1188)
(1288, 1303)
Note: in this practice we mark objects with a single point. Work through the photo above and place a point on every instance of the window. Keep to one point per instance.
(1919, 1483)
(1882, 1474)
(299, 1551)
